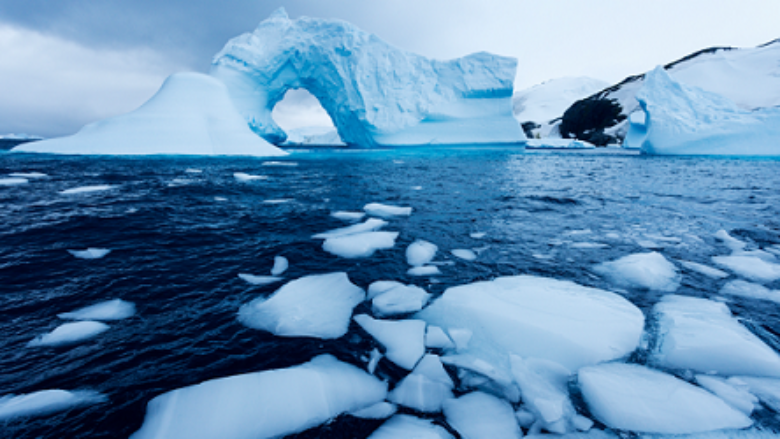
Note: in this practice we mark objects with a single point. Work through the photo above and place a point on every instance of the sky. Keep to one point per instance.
(66, 63)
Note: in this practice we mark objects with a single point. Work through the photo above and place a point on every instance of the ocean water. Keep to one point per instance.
(179, 239)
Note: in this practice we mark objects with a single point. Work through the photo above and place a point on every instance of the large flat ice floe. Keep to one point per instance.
(191, 114)
(262, 405)
(46, 402)
(537, 317)
(375, 93)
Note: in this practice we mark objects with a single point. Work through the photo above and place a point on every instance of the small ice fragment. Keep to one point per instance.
(581, 423)
(279, 201)
(348, 216)
(244, 177)
(370, 225)
(276, 163)
(410, 427)
(280, 265)
(386, 211)
(729, 241)
(220, 199)
(69, 333)
(13, 181)
(525, 418)
(642, 270)
(417, 188)
(465, 254)
(258, 280)
(90, 253)
(711, 272)
(193, 171)
(588, 245)
(373, 361)
(425, 270)
(478, 415)
(478, 235)
(116, 309)
(750, 267)
(735, 396)
(420, 253)
(381, 410)
(420, 393)
(46, 402)
(28, 175)
(749, 289)
(381, 286)
(361, 245)
(435, 337)
(403, 339)
(86, 189)
(400, 300)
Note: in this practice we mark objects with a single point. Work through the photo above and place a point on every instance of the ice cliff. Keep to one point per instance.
(375, 93)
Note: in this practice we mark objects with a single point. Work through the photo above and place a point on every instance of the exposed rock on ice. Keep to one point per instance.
(702, 335)
(13, 181)
(400, 300)
(544, 388)
(426, 388)
(750, 267)
(86, 189)
(259, 280)
(420, 253)
(370, 225)
(191, 114)
(732, 391)
(312, 306)
(635, 398)
(706, 270)
(244, 177)
(748, 289)
(116, 309)
(465, 254)
(280, 265)
(375, 94)
(348, 216)
(261, 405)
(381, 410)
(386, 211)
(409, 427)
(478, 415)
(538, 317)
(642, 270)
(46, 402)
(90, 253)
(424, 270)
(360, 245)
(403, 339)
(70, 333)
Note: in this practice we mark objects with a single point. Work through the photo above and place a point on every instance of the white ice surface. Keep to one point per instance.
(86, 189)
(45, 402)
(549, 143)
(244, 177)
(360, 245)
(90, 253)
(749, 289)
(465, 254)
(70, 333)
(280, 265)
(348, 216)
(28, 175)
(420, 253)
(426, 388)
(734, 394)
(116, 309)
(378, 287)
(424, 270)
(409, 427)
(399, 300)
(381, 410)
(386, 211)
(13, 181)
(312, 306)
(404, 340)
(766, 389)
(370, 225)
(638, 399)
(642, 270)
(259, 280)
(478, 415)
(435, 337)
(702, 335)
(729, 241)
(750, 267)
(544, 388)
(260, 405)
(706, 270)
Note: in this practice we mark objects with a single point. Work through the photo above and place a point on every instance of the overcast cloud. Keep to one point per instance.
(69, 62)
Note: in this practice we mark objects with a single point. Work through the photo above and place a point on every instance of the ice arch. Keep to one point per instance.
(375, 93)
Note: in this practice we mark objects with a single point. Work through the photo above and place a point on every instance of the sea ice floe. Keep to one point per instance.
(348, 216)
(436, 338)
(13, 181)
(280, 265)
(28, 175)
(259, 280)
(588, 245)
(279, 201)
(399, 300)
(424, 270)
(750, 267)
(702, 335)
(386, 211)
(46, 402)
(312, 306)
(381, 286)
(260, 405)
(706, 270)
(360, 245)
(381, 410)
(478, 415)
(90, 253)
(404, 340)
(193, 171)
(544, 388)
(370, 225)
(474, 373)
(638, 399)
(116, 309)
(766, 389)
(426, 388)
(729, 241)
(538, 317)
(87, 189)
(749, 289)
(732, 391)
(477, 235)
(642, 270)
(410, 427)
(70, 333)
(420, 253)
(244, 177)
(465, 254)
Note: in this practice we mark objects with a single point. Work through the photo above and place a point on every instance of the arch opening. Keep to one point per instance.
(303, 119)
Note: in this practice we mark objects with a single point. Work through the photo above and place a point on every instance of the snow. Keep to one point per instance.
(706, 270)
(348, 216)
(312, 306)
(687, 120)
(260, 405)
(748, 289)
(259, 280)
(116, 309)
(558, 144)
(375, 94)
(420, 253)
(424, 270)
(638, 399)
(544, 388)
(651, 271)
(14, 181)
(280, 265)
(386, 211)
(70, 333)
(435, 337)
(381, 410)
(537, 317)
(399, 300)
(45, 402)
(403, 339)
(90, 253)
(191, 114)
(702, 335)
(370, 225)
(750, 267)
(465, 254)
(409, 427)
(360, 245)
(478, 415)
(730, 391)
(86, 189)
(244, 177)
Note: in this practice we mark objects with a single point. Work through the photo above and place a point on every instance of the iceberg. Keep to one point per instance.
(408, 427)
(70, 333)
(642, 270)
(375, 93)
(90, 253)
(420, 253)
(191, 114)
(312, 306)
(46, 402)
(260, 405)
(360, 245)
(686, 120)
(116, 309)
(403, 339)
(478, 415)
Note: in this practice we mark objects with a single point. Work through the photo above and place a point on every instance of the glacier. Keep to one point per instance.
(376, 94)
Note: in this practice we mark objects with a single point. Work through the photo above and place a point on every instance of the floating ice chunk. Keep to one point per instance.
(544, 388)
(581, 423)
(404, 340)
(479, 374)
(259, 280)
(262, 405)
(373, 360)
(193, 171)
(736, 397)
(588, 245)
(46, 402)
(116, 309)
(386, 211)
(28, 175)
(244, 177)
(312, 306)
(635, 398)
(220, 199)
(13, 181)
(538, 317)
(275, 163)
(420, 253)
(87, 189)
(280, 265)
(750, 267)
(525, 418)
(361, 245)
(425, 270)
(371, 225)
(426, 388)
(382, 286)
(435, 337)
(708, 271)
(749, 289)
(70, 333)
(90, 253)
(478, 415)
(766, 389)
(279, 201)
(382, 410)
(642, 270)
(729, 241)
(465, 254)
(400, 300)
(348, 216)
(409, 427)
(478, 235)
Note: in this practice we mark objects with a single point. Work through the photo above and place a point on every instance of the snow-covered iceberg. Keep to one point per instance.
(685, 120)
(191, 114)
(375, 94)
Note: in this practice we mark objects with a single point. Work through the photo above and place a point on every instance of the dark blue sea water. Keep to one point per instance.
(176, 251)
